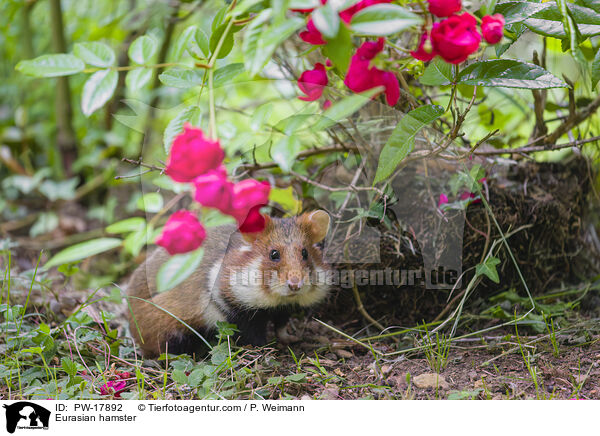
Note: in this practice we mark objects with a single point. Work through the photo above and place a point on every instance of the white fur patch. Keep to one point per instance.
(214, 288)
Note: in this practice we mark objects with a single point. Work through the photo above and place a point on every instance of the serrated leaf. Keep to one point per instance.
(95, 53)
(190, 114)
(488, 269)
(383, 20)
(326, 20)
(52, 65)
(178, 268)
(183, 41)
(98, 89)
(224, 75)
(137, 78)
(437, 73)
(68, 366)
(142, 49)
(202, 42)
(518, 11)
(127, 225)
(83, 250)
(344, 108)
(402, 139)
(182, 78)
(507, 73)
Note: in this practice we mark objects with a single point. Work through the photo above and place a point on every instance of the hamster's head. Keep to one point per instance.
(284, 263)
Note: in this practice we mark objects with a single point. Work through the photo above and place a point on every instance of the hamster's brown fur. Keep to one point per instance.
(223, 287)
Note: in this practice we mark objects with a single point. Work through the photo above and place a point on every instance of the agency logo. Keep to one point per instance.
(26, 415)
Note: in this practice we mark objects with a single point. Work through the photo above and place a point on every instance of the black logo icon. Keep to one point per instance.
(26, 415)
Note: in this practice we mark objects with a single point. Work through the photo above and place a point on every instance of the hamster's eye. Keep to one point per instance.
(304, 254)
(274, 255)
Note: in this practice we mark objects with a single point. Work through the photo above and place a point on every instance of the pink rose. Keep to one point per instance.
(444, 8)
(362, 75)
(182, 233)
(443, 200)
(425, 52)
(311, 82)
(254, 222)
(192, 154)
(312, 34)
(248, 194)
(455, 38)
(214, 190)
(492, 28)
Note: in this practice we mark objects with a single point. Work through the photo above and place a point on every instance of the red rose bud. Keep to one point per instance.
(492, 28)
(192, 154)
(214, 190)
(347, 14)
(326, 104)
(444, 8)
(455, 38)
(312, 34)
(247, 194)
(254, 222)
(311, 83)
(362, 75)
(182, 233)
(425, 51)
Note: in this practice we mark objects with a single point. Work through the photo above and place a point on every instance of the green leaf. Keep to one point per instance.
(261, 116)
(596, 70)
(98, 89)
(243, 6)
(402, 139)
(488, 268)
(127, 225)
(95, 53)
(519, 11)
(549, 21)
(191, 114)
(151, 202)
(344, 108)
(68, 366)
(252, 37)
(270, 38)
(508, 73)
(182, 78)
(183, 41)
(46, 222)
(339, 49)
(178, 268)
(383, 20)
(137, 78)
(437, 73)
(224, 75)
(284, 152)
(83, 250)
(304, 4)
(142, 49)
(53, 65)
(227, 45)
(326, 20)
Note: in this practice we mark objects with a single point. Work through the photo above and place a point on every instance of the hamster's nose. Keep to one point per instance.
(295, 281)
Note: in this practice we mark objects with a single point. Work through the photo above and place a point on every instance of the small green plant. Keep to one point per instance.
(552, 334)
(436, 350)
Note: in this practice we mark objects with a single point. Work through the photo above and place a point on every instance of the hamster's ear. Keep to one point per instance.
(253, 236)
(318, 224)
